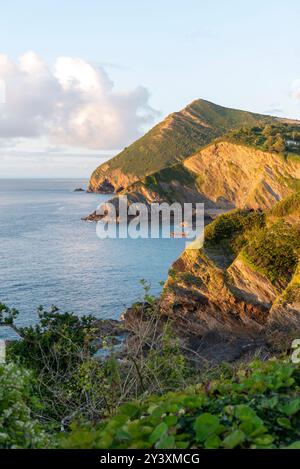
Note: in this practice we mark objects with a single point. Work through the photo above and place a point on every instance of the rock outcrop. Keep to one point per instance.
(223, 176)
(244, 278)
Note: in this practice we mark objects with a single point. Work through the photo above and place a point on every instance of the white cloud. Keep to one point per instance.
(74, 104)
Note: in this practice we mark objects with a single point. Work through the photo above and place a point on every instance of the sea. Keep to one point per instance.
(49, 256)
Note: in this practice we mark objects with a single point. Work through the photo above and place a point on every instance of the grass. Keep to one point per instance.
(274, 252)
(288, 206)
(178, 137)
(230, 229)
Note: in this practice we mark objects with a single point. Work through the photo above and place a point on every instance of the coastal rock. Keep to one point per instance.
(239, 281)
(223, 176)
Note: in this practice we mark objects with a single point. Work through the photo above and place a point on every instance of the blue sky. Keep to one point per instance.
(162, 53)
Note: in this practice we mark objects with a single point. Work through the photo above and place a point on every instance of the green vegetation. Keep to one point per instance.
(231, 230)
(274, 251)
(57, 357)
(288, 206)
(258, 406)
(252, 405)
(18, 403)
(271, 247)
(177, 137)
(273, 137)
(154, 398)
(174, 174)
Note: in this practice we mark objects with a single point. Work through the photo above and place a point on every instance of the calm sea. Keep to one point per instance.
(49, 256)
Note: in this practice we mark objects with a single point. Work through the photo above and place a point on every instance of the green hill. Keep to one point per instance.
(175, 138)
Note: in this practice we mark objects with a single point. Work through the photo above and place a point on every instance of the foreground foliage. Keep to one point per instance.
(18, 426)
(256, 407)
(73, 382)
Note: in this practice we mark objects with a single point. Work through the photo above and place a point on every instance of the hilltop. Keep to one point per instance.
(171, 141)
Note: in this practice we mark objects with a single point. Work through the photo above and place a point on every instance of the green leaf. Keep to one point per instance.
(205, 425)
(166, 442)
(212, 442)
(182, 444)
(171, 420)
(295, 445)
(284, 422)
(131, 410)
(264, 440)
(236, 438)
(251, 424)
(244, 412)
(292, 407)
(158, 432)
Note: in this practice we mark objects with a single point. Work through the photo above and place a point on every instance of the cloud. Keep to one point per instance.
(73, 104)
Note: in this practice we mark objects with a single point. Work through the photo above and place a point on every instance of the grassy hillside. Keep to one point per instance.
(172, 140)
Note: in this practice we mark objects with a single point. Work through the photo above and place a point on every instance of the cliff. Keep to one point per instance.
(171, 141)
(223, 175)
(245, 277)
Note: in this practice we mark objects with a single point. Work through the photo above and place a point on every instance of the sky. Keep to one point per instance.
(81, 79)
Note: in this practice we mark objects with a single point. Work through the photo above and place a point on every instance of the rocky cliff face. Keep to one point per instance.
(245, 277)
(223, 176)
(232, 175)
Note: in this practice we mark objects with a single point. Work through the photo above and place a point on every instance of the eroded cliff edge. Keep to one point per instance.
(224, 175)
(245, 277)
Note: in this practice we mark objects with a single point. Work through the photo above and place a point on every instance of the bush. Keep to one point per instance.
(274, 252)
(229, 229)
(275, 138)
(257, 407)
(288, 206)
(58, 337)
(59, 352)
(18, 427)
(72, 383)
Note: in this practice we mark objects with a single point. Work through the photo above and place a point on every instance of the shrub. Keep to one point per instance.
(57, 336)
(18, 427)
(274, 252)
(257, 407)
(288, 206)
(58, 350)
(230, 228)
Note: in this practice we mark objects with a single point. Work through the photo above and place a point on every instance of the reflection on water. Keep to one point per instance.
(49, 256)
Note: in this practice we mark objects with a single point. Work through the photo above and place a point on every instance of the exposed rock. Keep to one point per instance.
(79, 189)
(222, 288)
(103, 187)
(223, 176)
